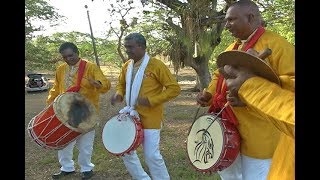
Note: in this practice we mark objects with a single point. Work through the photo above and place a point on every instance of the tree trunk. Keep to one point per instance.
(203, 73)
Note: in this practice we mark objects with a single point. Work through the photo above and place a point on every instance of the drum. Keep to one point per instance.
(122, 134)
(66, 118)
(213, 143)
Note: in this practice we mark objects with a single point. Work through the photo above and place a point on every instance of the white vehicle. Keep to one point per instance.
(37, 82)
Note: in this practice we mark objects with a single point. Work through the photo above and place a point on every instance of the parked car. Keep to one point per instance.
(37, 82)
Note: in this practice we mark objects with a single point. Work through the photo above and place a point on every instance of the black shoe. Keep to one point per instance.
(61, 174)
(86, 175)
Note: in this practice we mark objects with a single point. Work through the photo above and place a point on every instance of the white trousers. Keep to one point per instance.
(246, 168)
(152, 156)
(85, 146)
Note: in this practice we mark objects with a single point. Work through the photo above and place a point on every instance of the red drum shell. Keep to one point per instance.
(50, 129)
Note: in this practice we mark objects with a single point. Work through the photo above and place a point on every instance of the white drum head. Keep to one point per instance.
(204, 149)
(119, 133)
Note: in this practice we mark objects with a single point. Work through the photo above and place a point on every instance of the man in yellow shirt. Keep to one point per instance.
(277, 105)
(92, 85)
(259, 137)
(147, 84)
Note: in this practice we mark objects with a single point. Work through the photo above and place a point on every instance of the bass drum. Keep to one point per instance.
(69, 116)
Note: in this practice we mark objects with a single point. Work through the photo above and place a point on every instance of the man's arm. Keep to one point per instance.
(267, 98)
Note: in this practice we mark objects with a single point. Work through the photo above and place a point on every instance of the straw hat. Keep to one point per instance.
(257, 65)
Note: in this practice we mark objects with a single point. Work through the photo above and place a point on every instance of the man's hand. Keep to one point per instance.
(203, 98)
(97, 84)
(235, 77)
(234, 99)
(116, 98)
(143, 101)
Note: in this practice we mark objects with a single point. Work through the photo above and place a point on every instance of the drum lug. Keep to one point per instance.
(223, 119)
(231, 146)
(229, 132)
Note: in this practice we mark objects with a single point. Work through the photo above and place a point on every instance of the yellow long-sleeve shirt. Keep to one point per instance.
(259, 137)
(277, 106)
(86, 89)
(158, 85)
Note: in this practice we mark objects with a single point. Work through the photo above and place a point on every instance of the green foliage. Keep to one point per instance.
(156, 35)
(42, 52)
(226, 40)
(36, 10)
(162, 39)
(37, 57)
(280, 17)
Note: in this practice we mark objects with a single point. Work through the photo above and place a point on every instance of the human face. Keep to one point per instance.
(134, 50)
(237, 22)
(70, 57)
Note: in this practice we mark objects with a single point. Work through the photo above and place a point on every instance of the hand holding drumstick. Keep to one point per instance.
(239, 76)
(203, 98)
(97, 84)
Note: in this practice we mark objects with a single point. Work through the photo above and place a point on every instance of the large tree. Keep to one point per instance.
(193, 28)
(188, 31)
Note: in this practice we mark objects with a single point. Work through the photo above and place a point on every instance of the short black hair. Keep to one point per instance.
(139, 38)
(68, 45)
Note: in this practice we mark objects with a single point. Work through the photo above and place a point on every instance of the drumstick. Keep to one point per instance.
(265, 53)
(86, 78)
(194, 118)
(225, 105)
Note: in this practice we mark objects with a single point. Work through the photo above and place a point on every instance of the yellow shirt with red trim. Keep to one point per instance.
(86, 89)
(158, 85)
(259, 137)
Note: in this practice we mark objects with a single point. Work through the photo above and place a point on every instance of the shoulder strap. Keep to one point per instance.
(76, 88)
(253, 39)
(219, 99)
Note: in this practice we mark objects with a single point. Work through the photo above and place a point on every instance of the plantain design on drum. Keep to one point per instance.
(204, 148)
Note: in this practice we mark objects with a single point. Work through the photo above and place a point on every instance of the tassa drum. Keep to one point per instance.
(66, 118)
(213, 143)
(122, 134)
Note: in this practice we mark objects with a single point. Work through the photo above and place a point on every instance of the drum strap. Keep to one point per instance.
(219, 99)
(76, 88)
(252, 40)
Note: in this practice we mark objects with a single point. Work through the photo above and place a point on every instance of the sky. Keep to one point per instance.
(77, 18)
